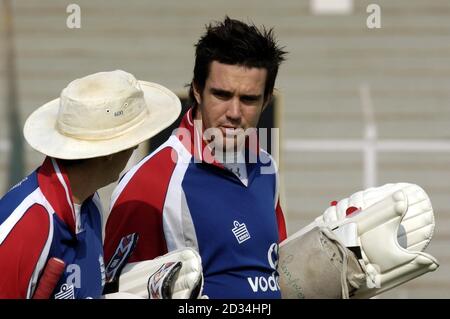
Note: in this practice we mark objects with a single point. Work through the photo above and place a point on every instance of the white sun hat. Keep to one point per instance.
(101, 114)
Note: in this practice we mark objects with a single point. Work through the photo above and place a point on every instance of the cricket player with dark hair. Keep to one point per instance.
(212, 188)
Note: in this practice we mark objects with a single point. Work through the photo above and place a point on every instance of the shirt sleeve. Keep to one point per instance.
(282, 234)
(21, 251)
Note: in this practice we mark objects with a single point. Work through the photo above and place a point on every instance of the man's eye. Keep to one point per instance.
(221, 95)
(249, 99)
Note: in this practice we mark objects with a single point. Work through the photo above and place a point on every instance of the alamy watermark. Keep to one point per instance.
(73, 21)
(374, 19)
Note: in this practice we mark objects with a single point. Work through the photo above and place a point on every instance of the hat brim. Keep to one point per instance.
(41, 133)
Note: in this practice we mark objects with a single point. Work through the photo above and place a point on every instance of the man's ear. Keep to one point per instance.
(197, 93)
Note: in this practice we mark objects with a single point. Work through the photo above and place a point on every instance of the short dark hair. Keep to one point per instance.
(236, 43)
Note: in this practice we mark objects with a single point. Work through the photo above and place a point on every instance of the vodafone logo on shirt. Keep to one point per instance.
(265, 283)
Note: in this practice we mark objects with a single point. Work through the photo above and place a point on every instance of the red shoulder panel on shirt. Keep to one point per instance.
(139, 207)
(20, 252)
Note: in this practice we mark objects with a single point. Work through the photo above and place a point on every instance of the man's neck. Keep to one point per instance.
(83, 181)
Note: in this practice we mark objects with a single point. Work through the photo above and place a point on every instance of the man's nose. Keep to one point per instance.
(234, 109)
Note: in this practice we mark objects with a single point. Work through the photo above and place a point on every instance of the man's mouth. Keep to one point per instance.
(231, 130)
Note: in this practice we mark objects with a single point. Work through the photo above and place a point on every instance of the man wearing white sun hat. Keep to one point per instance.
(87, 135)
